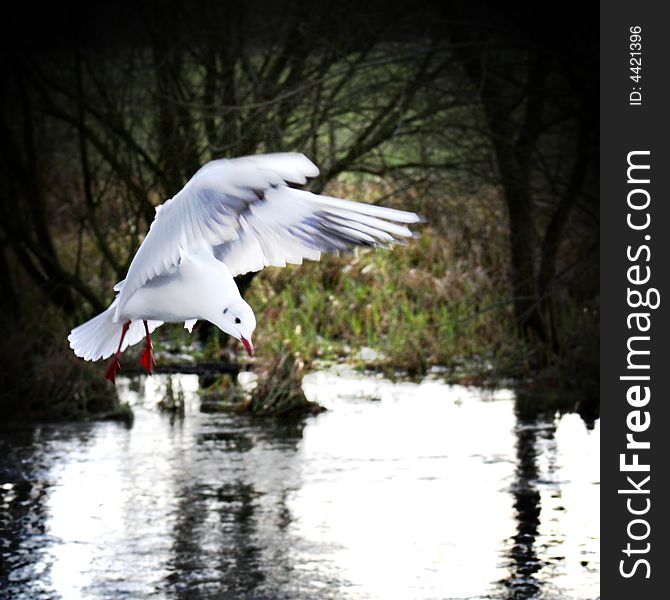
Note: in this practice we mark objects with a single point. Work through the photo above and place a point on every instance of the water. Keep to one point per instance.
(399, 491)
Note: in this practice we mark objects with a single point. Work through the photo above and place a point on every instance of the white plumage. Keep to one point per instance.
(232, 217)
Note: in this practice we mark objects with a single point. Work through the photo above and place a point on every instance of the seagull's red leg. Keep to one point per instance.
(147, 356)
(114, 363)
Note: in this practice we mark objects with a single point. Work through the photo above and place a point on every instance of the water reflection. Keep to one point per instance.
(556, 544)
(527, 504)
(22, 514)
(213, 548)
(398, 491)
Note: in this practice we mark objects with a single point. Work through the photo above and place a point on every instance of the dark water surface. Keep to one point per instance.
(399, 491)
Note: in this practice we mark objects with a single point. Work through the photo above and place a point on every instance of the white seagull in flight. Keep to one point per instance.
(232, 217)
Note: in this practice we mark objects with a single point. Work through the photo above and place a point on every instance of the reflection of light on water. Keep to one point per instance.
(398, 491)
(151, 390)
(405, 492)
(102, 497)
(570, 465)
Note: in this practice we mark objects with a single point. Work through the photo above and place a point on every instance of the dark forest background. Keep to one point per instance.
(480, 116)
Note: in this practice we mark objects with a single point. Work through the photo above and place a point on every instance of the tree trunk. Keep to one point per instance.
(519, 202)
(556, 226)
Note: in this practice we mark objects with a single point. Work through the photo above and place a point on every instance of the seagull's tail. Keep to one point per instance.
(100, 337)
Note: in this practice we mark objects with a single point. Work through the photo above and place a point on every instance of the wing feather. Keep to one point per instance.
(292, 225)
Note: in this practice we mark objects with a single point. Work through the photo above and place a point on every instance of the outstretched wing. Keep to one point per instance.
(245, 213)
(288, 225)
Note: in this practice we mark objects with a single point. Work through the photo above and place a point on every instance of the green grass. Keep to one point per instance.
(412, 304)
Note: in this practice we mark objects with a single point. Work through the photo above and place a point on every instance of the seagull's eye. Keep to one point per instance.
(225, 310)
(237, 320)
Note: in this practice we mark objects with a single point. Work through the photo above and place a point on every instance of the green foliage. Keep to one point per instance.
(440, 300)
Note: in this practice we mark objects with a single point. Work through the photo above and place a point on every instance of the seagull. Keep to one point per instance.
(232, 217)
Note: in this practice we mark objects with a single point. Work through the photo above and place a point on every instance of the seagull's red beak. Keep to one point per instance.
(248, 345)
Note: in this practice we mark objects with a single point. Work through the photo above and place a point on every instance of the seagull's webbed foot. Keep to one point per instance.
(114, 366)
(147, 359)
(115, 363)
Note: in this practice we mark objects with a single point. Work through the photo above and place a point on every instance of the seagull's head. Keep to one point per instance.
(237, 319)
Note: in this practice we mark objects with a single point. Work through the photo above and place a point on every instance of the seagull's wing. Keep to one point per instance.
(245, 213)
(288, 225)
